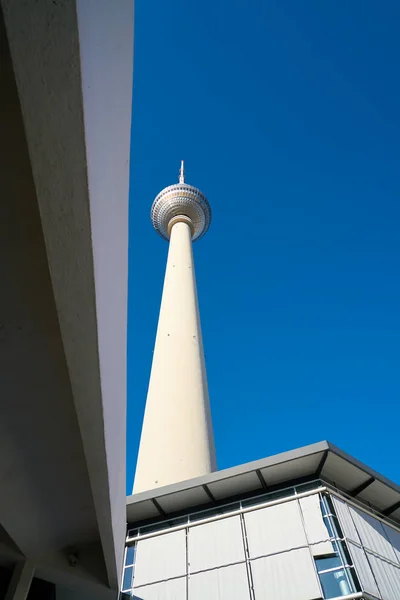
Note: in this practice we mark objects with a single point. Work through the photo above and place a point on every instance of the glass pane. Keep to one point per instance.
(205, 514)
(336, 525)
(255, 500)
(127, 583)
(178, 521)
(130, 555)
(327, 563)
(324, 504)
(354, 583)
(344, 553)
(334, 584)
(230, 507)
(269, 497)
(211, 512)
(133, 532)
(310, 485)
(328, 525)
(154, 527)
(281, 494)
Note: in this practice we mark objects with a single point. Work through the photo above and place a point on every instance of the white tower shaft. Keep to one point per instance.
(177, 440)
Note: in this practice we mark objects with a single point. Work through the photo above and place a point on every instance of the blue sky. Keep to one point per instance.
(287, 116)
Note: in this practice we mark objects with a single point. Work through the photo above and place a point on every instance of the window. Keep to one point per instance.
(127, 582)
(335, 583)
(336, 573)
(127, 579)
(130, 556)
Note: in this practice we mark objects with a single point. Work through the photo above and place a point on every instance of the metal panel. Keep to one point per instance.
(394, 538)
(339, 467)
(395, 514)
(387, 577)
(174, 589)
(226, 583)
(181, 500)
(372, 534)
(146, 510)
(215, 544)
(379, 495)
(363, 570)
(316, 530)
(286, 576)
(345, 520)
(274, 529)
(345, 474)
(246, 482)
(298, 467)
(161, 557)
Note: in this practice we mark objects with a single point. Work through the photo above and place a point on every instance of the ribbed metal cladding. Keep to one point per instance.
(263, 554)
(374, 547)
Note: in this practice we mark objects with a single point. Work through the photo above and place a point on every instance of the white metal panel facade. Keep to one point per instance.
(174, 589)
(226, 583)
(377, 561)
(316, 530)
(215, 544)
(286, 576)
(387, 577)
(277, 548)
(363, 569)
(160, 558)
(394, 538)
(275, 529)
(372, 534)
(345, 520)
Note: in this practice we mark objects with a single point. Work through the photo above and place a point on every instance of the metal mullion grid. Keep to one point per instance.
(224, 515)
(247, 557)
(331, 490)
(187, 561)
(123, 573)
(130, 566)
(309, 546)
(259, 497)
(339, 568)
(339, 541)
(365, 552)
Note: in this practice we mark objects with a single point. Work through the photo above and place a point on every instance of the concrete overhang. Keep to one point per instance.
(66, 81)
(318, 461)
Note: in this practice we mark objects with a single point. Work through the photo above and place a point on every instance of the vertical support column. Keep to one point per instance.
(21, 580)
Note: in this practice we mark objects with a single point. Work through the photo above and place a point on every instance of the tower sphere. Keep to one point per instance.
(181, 200)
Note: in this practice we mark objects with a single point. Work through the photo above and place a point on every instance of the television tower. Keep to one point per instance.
(177, 440)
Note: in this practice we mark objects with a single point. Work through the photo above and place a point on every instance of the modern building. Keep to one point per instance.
(309, 524)
(66, 93)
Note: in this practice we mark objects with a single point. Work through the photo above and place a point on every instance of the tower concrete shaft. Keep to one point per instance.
(177, 440)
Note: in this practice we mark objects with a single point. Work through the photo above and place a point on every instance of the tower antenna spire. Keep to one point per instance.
(182, 172)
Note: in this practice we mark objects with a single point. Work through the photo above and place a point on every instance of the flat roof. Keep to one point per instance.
(321, 460)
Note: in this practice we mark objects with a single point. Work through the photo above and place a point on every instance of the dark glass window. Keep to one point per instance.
(130, 556)
(330, 562)
(127, 583)
(335, 583)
